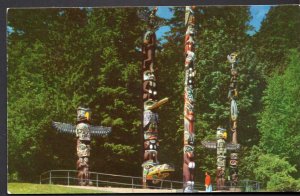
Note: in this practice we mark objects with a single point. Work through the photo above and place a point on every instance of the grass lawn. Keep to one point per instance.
(28, 188)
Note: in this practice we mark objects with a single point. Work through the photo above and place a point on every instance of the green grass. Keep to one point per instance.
(28, 188)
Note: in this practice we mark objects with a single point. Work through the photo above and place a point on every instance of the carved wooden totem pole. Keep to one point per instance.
(221, 144)
(222, 148)
(152, 171)
(221, 157)
(83, 131)
(232, 96)
(188, 141)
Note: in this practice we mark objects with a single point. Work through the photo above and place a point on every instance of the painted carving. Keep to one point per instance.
(149, 86)
(232, 96)
(220, 178)
(152, 170)
(149, 43)
(83, 131)
(221, 157)
(189, 135)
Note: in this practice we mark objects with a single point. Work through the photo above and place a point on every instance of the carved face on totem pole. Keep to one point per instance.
(220, 172)
(148, 36)
(233, 167)
(83, 132)
(150, 156)
(234, 156)
(190, 57)
(189, 138)
(190, 30)
(188, 149)
(149, 85)
(221, 133)
(149, 75)
(83, 114)
(232, 57)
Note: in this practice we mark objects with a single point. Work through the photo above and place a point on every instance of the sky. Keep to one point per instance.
(258, 13)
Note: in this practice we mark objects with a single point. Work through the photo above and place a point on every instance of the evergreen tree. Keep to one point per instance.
(280, 118)
(82, 57)
(220, 31)
(278, 34)
(59, 59)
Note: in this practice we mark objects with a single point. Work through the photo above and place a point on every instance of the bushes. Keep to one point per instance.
(275, 173)
(282, 183)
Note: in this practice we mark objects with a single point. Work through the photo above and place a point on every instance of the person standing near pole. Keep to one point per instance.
(208, 187)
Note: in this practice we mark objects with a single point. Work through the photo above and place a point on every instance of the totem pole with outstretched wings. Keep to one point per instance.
(83, 131)
(221, 144)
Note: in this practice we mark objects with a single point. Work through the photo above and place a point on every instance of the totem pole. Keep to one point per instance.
(152, 171)
(221, 145)
(221, 157)
(222, 148)
(232, 96)
(188, 141)
(83, 131)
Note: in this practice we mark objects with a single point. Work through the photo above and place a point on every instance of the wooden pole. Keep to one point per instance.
(189, 133)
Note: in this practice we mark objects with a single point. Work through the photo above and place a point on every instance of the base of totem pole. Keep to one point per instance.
(193, 191)
(89, 183)
(190, 191)
(151, 185)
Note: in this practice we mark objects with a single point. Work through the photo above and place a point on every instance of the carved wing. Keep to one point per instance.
(64, 127)
(233, 146)
(210, 145)
(100, 130)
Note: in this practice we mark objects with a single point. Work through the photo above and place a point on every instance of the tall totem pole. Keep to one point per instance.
(221, 145)
(152, 171)
(232, 96)
(189, 135)
(83, 131)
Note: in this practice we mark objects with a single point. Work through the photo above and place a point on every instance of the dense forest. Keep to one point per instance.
(59, 59)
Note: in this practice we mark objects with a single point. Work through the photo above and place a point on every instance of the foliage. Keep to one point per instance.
(283, 183)
(278, 65)
(280, 119)
(279, 32)
(219, 32)
(274, 171)
(59, 59)
(83, 58)
(248, 162)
